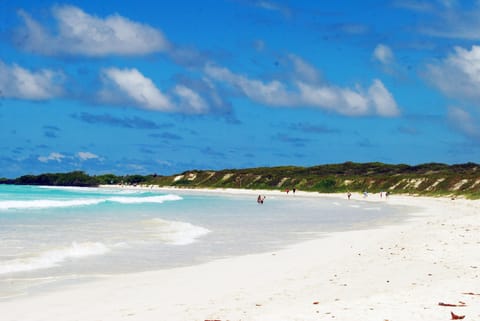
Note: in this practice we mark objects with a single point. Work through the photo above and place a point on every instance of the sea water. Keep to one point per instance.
(52, 236)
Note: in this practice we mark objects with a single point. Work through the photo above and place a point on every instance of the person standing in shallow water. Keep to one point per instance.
(260, 199)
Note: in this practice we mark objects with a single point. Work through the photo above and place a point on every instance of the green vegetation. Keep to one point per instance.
(76, 178)
(427, 179)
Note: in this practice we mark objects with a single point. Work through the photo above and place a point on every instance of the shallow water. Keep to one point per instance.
(56, 235)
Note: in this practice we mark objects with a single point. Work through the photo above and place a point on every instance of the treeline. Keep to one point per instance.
(424, 179)
(76, 178)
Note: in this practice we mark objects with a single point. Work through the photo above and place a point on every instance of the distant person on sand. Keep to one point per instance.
(294, 189)
(349, 195)
(287, 190)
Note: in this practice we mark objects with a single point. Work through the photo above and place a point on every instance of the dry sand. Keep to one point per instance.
(407, 271)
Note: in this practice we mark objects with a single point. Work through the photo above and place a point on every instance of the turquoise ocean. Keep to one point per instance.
(55, 236)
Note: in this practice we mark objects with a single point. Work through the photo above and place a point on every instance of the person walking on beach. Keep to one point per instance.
(349, 195)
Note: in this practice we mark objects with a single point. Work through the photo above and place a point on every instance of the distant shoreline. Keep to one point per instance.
(256, 192)
(430, 179)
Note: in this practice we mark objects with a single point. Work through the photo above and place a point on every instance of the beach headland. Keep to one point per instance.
(425, 268)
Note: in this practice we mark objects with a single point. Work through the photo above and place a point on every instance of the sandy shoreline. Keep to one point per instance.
(397, 272)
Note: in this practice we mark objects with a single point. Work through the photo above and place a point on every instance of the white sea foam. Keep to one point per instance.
(47, 203)
(70, 188)
(53, 257)
(147, 199)
(176, 232)
(6, 205)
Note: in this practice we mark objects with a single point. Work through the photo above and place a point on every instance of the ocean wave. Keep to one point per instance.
(70, 188)
(147, 199)
(7, 205)
(176, 232)
(93, 189)
(48, 203)
(52, 258)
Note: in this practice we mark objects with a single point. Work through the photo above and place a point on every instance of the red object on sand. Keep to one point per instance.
(457, 317)
(460, 304)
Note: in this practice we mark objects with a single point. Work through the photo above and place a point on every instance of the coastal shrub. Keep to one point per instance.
(325, 185)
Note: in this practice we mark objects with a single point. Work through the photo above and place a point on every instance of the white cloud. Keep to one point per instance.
(80, 33)
(352, 102)
(54, 156)
(20, 83)
(464, 122)
(271, 93)
(458, 75)
(272, 6)
(190, 100)
(452, 20)
(129, 86)
(343, 101)
(383, 54)
(382, 99)
(303, 70)
(87, 155)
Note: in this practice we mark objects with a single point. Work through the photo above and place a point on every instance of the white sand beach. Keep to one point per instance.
(396, 272)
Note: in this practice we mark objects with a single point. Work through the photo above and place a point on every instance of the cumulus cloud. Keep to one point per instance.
(382, 100)
(191, 100)
(342, 100)
(303, 70)
(446, 18)
(131, 87)
(79, 33)
(273, 6)
(20, 83)
(464, 122)
(383, 54)
(200, 95)
(87, 155)
(270, 93)
(458, 75)
(54, 156)
(307, 91)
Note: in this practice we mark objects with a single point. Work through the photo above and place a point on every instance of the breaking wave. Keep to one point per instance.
(175, 232)
(48, 203)
(53, 257)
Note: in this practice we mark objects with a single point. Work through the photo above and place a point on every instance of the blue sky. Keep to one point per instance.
(143, 87)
